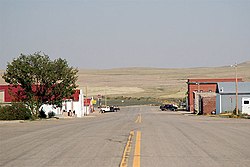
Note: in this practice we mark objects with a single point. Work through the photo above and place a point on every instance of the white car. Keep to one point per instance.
(105, 109)
(109, 109)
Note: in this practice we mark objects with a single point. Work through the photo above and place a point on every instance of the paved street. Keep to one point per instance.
(137, 136)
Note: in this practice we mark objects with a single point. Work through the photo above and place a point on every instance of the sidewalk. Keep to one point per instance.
(11, 121)
(185, 112)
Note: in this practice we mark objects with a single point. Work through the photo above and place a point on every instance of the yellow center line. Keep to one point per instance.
(137, 153)
(124, 162)
(138, 120)
(126, 153)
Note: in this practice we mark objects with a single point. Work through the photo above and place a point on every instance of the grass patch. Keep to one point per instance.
(233, 115)
(130, 101)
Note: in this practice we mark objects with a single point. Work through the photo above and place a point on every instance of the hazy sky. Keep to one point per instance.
(127, 33)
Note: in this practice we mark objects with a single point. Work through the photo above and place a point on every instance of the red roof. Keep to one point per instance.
(75, 96)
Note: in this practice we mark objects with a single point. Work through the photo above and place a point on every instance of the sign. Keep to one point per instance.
(93, 101)
(87, 102)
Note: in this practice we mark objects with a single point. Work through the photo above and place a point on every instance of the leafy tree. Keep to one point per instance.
(40, 80)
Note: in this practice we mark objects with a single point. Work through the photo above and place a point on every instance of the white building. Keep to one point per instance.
(71, 107)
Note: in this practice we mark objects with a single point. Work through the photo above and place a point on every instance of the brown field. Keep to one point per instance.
(150, 82)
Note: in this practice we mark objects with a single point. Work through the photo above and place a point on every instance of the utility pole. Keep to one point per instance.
(105, 96)
(236, 87)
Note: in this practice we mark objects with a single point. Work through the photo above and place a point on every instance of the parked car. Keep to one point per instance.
(109, 109)
(170, 107)
(116, 108)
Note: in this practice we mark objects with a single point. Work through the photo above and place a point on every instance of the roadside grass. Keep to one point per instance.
(130, 101)
(233, 115)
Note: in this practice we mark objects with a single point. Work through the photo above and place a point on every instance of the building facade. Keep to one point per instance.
(73, 104)
(226, 97)
(203, 85)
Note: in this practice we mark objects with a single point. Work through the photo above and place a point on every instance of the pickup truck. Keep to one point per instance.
(109, 109)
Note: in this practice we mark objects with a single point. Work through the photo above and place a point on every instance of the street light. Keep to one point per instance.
(236, 87)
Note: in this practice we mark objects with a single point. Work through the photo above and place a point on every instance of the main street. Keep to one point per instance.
(135, 136)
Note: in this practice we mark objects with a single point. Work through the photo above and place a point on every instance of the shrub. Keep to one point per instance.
(15, 111)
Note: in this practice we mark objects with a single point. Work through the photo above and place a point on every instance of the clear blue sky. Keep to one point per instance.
(127, 33)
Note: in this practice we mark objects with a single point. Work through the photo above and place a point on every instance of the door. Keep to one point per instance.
(1, 96)
(246, 105)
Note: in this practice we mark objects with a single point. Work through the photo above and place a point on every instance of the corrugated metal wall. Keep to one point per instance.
(227, 102)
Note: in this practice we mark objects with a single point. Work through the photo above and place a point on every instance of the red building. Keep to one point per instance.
(6, 92)
(204, 85)
(208, 104)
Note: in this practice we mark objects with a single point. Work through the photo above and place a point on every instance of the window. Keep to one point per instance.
(246, 102)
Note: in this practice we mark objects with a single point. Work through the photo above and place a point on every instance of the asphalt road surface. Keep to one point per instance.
(135, 136)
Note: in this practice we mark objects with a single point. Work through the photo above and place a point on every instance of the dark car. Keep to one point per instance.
(166, 107)
(114, 108)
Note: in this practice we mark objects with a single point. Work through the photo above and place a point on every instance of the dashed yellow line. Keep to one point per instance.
(138, 120)
(124, 162)
(137, 153)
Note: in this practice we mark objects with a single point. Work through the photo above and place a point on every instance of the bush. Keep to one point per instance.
(16, 111)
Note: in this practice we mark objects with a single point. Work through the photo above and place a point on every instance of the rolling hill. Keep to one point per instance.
(150, 82)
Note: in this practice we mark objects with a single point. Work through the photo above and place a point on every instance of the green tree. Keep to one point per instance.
(40, 80)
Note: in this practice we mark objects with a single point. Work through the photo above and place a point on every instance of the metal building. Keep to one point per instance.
(226, 97)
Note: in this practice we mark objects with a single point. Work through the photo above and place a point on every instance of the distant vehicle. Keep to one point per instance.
(116, 108)
(170, 107)
(109, 109)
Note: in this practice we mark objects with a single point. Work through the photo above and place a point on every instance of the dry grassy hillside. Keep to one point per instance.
(150, 82)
